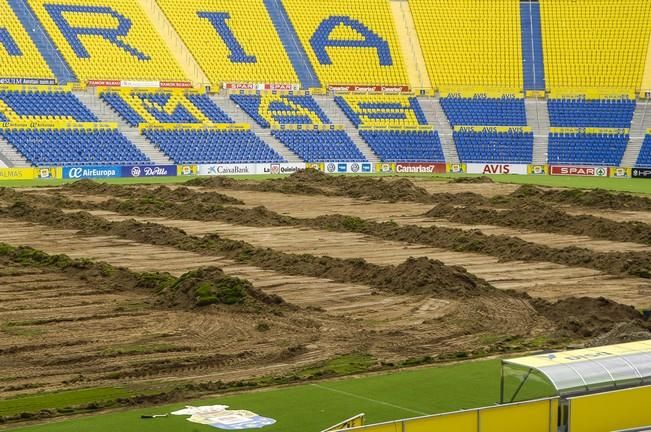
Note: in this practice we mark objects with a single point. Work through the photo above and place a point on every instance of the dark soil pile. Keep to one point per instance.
(472, 180)
(597, 198)
(426, 276)
(543, 218)
(588, 317)
(160, 193)
(210, 285)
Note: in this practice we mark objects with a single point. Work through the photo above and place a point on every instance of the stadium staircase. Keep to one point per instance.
(10, 157)
(106, 114)
(337, 116)
(436, 117)
(538, 120)
(295, 51)
(239, 116)
(408, 37)
(641, 122)
(55, 61)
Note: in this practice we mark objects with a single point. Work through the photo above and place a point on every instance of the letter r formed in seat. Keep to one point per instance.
(9, 43)
(219, 22)
(112, 35)
(320, 40)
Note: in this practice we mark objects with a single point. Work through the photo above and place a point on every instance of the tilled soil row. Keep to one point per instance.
(416, 276)
(542, 218)
(503, 247)
(315, 183)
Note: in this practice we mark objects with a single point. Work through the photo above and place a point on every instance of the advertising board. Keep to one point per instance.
(92, 172)
(475, 168)
(582, 171)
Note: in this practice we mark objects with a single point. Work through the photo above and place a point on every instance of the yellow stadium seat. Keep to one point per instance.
(266, 60)
(350, 64)
(592, 43)
(470, 42)
(107, 39)
(24, 61)
(372, 108)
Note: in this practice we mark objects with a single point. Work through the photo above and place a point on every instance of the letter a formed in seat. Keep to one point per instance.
(219, 22)
(9, 43)
(112, 35)
(320, 40)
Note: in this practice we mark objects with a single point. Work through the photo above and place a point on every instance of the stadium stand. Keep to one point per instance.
(232, 41)
(19, 56)
(320, 145)
(494, 145)
(73, 146)
(381, 110)
(484, 111)
(164, 106)
(349, 41)
(190, 146)
(470, 43)
(644, 158)
(107, 40)
(272, 109)
(404, 146)
(43, 105)
(592, 43)
(573, 147)
(591, 113)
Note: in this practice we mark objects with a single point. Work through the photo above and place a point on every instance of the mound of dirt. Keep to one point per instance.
(587, 317)
(596, 198)
(472, 180)
(543, 218)
(210, 285)
(426, 276)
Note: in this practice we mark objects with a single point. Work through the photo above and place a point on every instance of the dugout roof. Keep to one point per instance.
(591, 369)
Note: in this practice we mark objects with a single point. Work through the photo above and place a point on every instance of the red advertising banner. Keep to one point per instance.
(104, 83)
(272, 87)
(369, 89)
(175, 84)
(421, 168)
(583, 171)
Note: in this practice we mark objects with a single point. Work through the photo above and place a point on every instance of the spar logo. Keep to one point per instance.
(135, 171)
(579, 171)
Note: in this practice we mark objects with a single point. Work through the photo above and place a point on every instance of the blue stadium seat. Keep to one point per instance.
(404, 146)
(484, 111)
(644, 158)
(498, 147)
(74, 146)
(591, 113)
(383, 112)
(586, 149)
(46, 104)
(202, 146)
(320, 145)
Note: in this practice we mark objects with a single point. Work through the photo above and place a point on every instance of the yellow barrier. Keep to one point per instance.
(518, 129)
(396, 128)
(576, 93)
(16, 174)
(195, 126)
(323, 127)
(481, 93)
(607, 131)
(58, 124)
(534, 416)
(607, 412)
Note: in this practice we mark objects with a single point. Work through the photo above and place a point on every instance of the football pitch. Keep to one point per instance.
(318, 405)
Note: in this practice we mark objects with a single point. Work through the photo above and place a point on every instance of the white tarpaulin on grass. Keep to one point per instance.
(218, 416)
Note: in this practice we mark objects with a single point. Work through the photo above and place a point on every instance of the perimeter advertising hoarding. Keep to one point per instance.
(581, 171)
(420, 168)
(149, 171)
(475, 168)
(92, 172)
(641, 173)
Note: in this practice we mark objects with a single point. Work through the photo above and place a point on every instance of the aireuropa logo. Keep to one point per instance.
(77, 173)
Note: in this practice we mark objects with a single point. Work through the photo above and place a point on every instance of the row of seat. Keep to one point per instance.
(269, 110)
(587, 149)
(405, 146)
(591, 113)
(320, 145)
(498, 147)
(45, 105)
(382, 110)
(484, 111)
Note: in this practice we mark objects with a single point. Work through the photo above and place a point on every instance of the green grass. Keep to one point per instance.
(621, 185)
(60, 400)
(312, 407)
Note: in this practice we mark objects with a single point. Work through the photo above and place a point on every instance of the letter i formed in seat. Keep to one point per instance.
(219, 21)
